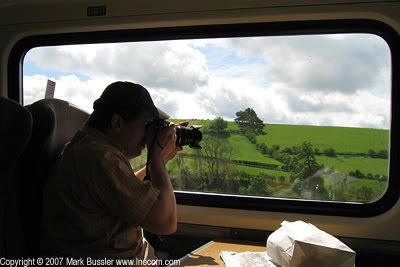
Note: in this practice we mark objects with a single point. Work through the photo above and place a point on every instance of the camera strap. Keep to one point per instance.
(155, 139)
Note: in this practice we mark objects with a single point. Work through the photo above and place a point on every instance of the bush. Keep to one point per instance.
(330, 152)
(263, 148)
(380, 154)
(357, 174)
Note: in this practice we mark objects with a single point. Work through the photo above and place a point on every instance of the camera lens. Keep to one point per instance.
(188, 136)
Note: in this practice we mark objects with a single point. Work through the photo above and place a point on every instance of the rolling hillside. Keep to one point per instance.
(342, 139)
(351, 173)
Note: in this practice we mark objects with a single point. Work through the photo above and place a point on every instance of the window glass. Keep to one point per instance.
(285, 116)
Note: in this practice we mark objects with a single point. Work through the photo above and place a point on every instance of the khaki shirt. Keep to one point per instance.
(93, 204)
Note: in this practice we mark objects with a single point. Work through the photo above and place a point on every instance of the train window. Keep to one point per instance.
(291, 117)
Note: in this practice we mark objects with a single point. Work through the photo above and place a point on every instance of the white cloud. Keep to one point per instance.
(171, 65)
(336, 80)
(34, 88)
(343, 63)
(361, 109)
(69, 88)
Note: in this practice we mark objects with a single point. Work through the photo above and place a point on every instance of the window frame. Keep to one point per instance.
(392, 38)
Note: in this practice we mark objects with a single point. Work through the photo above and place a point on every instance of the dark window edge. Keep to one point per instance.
(15, 76)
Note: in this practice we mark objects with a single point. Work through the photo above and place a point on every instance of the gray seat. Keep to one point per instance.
(15, 131)
(55, 122)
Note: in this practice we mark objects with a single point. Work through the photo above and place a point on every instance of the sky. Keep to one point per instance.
(332, 80)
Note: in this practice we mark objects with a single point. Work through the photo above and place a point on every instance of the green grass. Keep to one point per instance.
(255, 171)
(378, 188)
(367, 182)
(342, 139)
(347, 164)
(244, 150)
(339, 185)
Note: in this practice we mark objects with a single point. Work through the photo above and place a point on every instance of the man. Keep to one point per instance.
(94, 204)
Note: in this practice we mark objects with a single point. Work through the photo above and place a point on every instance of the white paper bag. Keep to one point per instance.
(302, 244)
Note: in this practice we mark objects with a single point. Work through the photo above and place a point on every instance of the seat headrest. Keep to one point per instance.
(16, 127)
(55, 122)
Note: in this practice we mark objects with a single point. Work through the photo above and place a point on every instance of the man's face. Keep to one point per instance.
(132, 135)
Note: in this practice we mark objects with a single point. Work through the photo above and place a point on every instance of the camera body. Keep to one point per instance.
(190, 136)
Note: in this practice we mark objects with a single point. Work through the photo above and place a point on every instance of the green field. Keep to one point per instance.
(342, 139)
(350, 144)
(244, 150)
(347, 164)
(256, 171)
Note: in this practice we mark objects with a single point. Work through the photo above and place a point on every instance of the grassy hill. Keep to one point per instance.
(342, 139)
(347, 164)
(351, 175)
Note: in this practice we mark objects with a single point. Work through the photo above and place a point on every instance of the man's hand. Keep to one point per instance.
(165, 144)
(173, 153)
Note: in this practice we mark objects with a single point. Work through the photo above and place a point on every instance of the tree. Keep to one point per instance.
(263, 148)
(218, 126)
(274, 150)
(217, 155)
(338, 189)
(249, 123)
(365, 194)
(304, 164)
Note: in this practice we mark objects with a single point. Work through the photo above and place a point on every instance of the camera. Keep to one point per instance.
(190, 136)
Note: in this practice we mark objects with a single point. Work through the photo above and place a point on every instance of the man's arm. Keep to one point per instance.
(161, 218)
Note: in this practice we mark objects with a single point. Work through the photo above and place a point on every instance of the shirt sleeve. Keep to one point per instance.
(121, 192)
